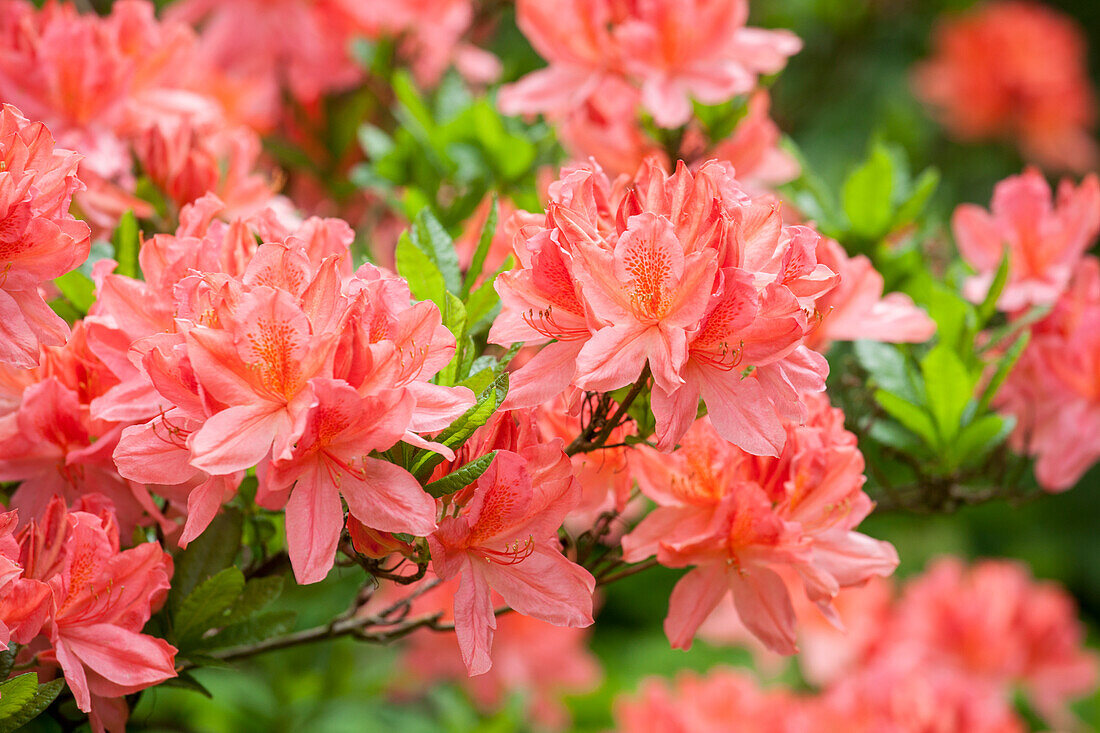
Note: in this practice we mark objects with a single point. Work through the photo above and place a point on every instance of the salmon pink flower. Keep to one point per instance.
(39, 239)
(1014, 69)
(329, 460)
(992, 621)
(101, 599)
(505, 540)
(1054, 389)
(738, 518)
(685, 274)
(1044, 239)
(857, 310)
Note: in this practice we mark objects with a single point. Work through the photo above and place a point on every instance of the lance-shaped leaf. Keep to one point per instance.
(460, 479)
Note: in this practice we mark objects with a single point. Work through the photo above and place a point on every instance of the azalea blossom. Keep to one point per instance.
(1044, 239)
(672, 52)
(505, 540)
(684, 274)
(39, 239)
(101, 598)
(1014, 69)
(738, 519)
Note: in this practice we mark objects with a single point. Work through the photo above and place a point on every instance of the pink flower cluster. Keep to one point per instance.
(1054, 390)
(1015, 69)
(127, 86)
(758, 527)
(947, 655)
(74, 601)
(689, 277)
(39, 239)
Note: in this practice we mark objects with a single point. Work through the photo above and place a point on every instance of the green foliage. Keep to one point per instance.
(22, 699)
(126, 241)
(462, 428)
(462, 477)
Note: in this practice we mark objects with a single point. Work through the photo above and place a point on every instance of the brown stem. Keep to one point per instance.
(600, 427)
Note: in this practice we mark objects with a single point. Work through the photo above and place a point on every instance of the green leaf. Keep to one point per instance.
(16, 693)
(7, 660)
(375, 143)
(433, 240)
(425, 280)
(205, 606)
(867, 194)
(481, 302)
(259, 628)
(925, 185)
(127, 243)
(949, 387)
(41, 699)
(482, 251)
(77, 288)
(896, 436)
(210, 552)
(889, 368)
(1004, 368)
(258, 594)
(462, 428)
(989, 304)
(913, 417)
(460, 479)
(186, 681)
(977, 439)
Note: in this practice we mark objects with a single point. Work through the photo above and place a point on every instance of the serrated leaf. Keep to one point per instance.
(258, 628)
(867, 194)
(460, 479)
(205, 606)
(425, 280)
(477, 263)
(41, 699)
(462, 428)
(258, 594)
(432, 239)
(211, 552)
(127, 243)
(913, 417)
(925, 186)
(989, 304)
(949, 387)
(77, 288)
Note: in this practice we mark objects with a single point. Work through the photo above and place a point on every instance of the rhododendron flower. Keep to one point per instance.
(329, 461)
(1017, 70)
(995, 623)
(1044, 239)
(753, 149)
(708, 704)
(505, 540)
(39, 239)
(672, 51)
(533, 659)
(698, 49)
(101, 599)
(738, 518)
(106, 84)
(684, 274)
(1054, 389)
(857, 310)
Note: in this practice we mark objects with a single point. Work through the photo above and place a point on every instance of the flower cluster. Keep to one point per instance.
(39, 238)
(1014, 69)
(946, 654)
(128, 87)
(757, 527)
(72, 600)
